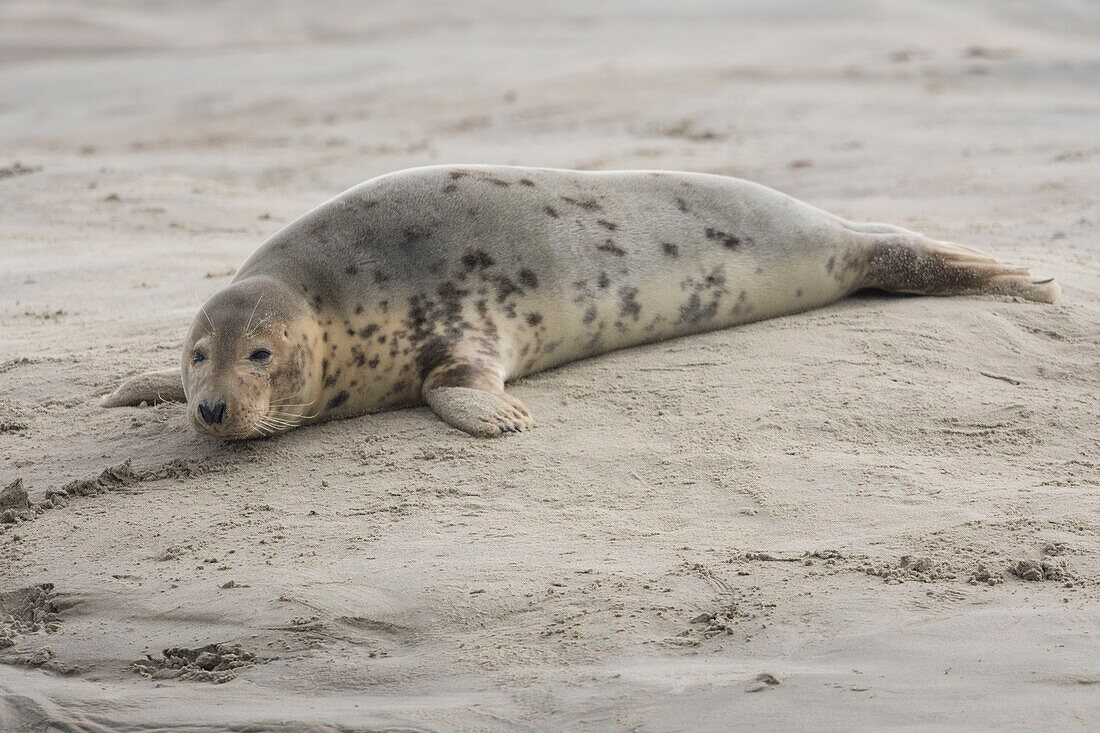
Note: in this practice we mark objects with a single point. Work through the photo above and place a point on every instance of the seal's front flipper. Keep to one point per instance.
(480, 413)
(152, 387)
(473, 400)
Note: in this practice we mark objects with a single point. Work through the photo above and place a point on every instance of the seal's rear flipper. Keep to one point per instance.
(916, 264)
(152, 387)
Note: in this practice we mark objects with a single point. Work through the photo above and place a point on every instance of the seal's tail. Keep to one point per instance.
(911, 263)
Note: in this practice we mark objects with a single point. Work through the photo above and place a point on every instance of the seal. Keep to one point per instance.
(439, 284)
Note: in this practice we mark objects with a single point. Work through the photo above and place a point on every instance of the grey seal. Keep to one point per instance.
(439, 284)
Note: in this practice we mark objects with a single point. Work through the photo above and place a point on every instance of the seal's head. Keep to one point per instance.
(248, 366)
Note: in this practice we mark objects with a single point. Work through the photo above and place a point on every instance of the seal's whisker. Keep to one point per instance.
(213, 328)
(280, 423)
(272, 410)
(246, 326)
(276, 409)
(299, 418)
(264, 428)
(284, 413)
(275, 418)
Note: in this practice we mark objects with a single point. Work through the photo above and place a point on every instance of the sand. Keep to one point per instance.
(878, 515)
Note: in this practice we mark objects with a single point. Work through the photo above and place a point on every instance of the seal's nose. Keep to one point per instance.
(212, 414)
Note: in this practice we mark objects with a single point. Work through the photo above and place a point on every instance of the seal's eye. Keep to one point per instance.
(259, 356)
(197, 356)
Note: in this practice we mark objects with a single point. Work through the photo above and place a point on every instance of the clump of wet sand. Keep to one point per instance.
(14, 502)
(1047, 568)
(911, 567)
(27, 611)
(216, 663)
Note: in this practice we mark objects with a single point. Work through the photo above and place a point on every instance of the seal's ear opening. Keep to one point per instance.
(151, 388)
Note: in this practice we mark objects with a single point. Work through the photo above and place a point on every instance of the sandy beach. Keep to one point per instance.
(880, 515)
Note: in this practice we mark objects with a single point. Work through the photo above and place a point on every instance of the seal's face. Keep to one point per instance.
(246, 366)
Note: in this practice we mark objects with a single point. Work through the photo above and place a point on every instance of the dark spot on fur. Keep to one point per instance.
(454, 375)
(830, 264)
(603, 281)
(456, 174)
(324, 337)
(505, 287)
(435, 352)
(589, 314)
(729, 241)
(416, 233)
(373, 362)
(609, 225)
(527, 182)
(670, 249)
(477, 260)
(798, 293)
(450, 188)
(380, 277)
(610, 246)
(681, 204)
(338, 400)
(368, 331)
(693, 311)
(588, 204)
(551, 211)
(528, 279)
(629, 307)
(705, 298)
(534, 319)
(358, 309)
